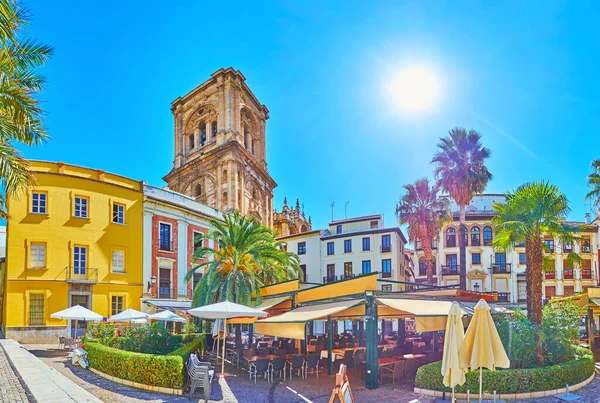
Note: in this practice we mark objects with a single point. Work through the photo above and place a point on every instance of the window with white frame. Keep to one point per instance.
(80, 209)
(39, 203)
(79, 259)
(37, 255)
(118, 213)
(118, 261)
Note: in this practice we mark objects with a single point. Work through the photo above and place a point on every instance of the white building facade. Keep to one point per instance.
(349, 248)
(172, 223)
(503, 271)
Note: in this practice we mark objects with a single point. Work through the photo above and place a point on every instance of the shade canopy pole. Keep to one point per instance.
(250, 335)
(372, 379)
(330, 345)
(224, 339)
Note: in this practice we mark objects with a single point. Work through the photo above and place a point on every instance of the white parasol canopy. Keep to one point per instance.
(225, 310)
(77, 312)
(128, 315)
(167, 316)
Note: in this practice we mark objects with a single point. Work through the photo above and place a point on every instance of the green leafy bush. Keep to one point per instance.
(197, 344)
(514, 380)
(559, 335)
(157, 370)
(149, 339)
(103, 331)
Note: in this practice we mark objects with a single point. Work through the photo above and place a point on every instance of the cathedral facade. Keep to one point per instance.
(221, 149)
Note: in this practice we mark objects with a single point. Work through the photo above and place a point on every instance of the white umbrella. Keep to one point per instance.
(128, 315)
(225, 310)
(167, 316)
(77, 313)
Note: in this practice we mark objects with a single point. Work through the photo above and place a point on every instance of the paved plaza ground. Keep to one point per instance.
(234, 388)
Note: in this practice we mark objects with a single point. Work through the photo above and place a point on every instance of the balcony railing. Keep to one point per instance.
(165, 246)
(568, 274)
(423, 269)
(330, 279)
(501, 268)
(550, 246)
(550, 275)
(450, 243)
(386, 249)
(82, 275)
(386, 274)
(568, 247)
(450, 269)
(586, 274)
(167, 292)
(586, 248)
(504, 297)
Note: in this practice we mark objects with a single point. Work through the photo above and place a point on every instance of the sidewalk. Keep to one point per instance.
(44, 383)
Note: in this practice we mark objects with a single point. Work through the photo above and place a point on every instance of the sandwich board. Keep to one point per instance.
(341, 392)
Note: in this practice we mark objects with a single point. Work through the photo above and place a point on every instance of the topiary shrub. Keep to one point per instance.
(510, 381)
(165, 371)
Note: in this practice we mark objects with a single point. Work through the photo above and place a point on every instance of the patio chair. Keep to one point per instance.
(263, 351)
(358, 364)
(61, 342)
(387, 353)
(200, 377)
(261, 367)
(348, 358)
(396, 373)
(275, 343)
(408, 347)
(278, 365)
(312, 363)
(380, 351)
(281, 352)
(410, 370)
(297, 364)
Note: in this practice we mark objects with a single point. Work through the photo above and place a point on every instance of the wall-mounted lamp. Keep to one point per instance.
(151, 283)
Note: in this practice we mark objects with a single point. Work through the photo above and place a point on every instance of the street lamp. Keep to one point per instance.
(151, 283)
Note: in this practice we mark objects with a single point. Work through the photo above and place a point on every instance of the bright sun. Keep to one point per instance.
(415, 88)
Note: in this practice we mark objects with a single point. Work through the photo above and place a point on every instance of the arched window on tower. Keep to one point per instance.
(198, 190)
(245, 137)
(224, 175)
(191, 141)
(202, 127)
(214, 129)
(225, 199)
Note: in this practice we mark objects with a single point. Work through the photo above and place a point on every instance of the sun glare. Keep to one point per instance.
(415, 88)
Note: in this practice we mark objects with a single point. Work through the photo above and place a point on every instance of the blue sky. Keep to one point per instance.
(523, 74)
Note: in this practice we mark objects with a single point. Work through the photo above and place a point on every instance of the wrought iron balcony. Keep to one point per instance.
(568, 247)
(81, 275)
(586, 274)
(586, 248)
(568, 274)
(330, 279)
(450, 270)
(501, 268)
(167, 292)
(386, 274)
(386, 249)
(504, 297)
(423, 269)
(550, 275)
(165, 246)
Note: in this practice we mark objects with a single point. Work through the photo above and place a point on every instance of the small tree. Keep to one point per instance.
(425, 214)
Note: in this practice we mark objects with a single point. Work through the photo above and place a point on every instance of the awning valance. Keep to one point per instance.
(292, 324)
(265, 305)
(429, 316)
(171, 305)
(271, 302)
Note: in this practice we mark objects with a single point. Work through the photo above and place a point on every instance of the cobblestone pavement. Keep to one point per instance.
(237, 388)
(11, 390)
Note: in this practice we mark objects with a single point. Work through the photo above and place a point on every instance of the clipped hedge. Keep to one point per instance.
(508, 381)
(165, 371)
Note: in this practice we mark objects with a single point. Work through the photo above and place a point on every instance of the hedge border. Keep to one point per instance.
(511, 382)
(165, 371)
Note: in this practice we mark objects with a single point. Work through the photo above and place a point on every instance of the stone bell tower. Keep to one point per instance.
(220, 147)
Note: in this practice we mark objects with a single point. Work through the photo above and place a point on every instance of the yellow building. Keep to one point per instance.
(74, 238)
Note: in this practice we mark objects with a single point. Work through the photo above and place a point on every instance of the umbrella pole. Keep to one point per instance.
(224, 338)
(453, 394)
(480, 383)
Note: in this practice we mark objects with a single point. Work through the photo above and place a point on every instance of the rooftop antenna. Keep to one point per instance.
(345, 210)
(332, 206)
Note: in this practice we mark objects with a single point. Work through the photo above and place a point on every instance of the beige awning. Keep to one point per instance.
(292, 324)
(429, 316)
(271, 302)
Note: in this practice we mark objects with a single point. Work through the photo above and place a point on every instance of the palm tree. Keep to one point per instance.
(461, 172)
(245, 258)
(594, 181)
(532, 211)
(425, 215)
(20, 85)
